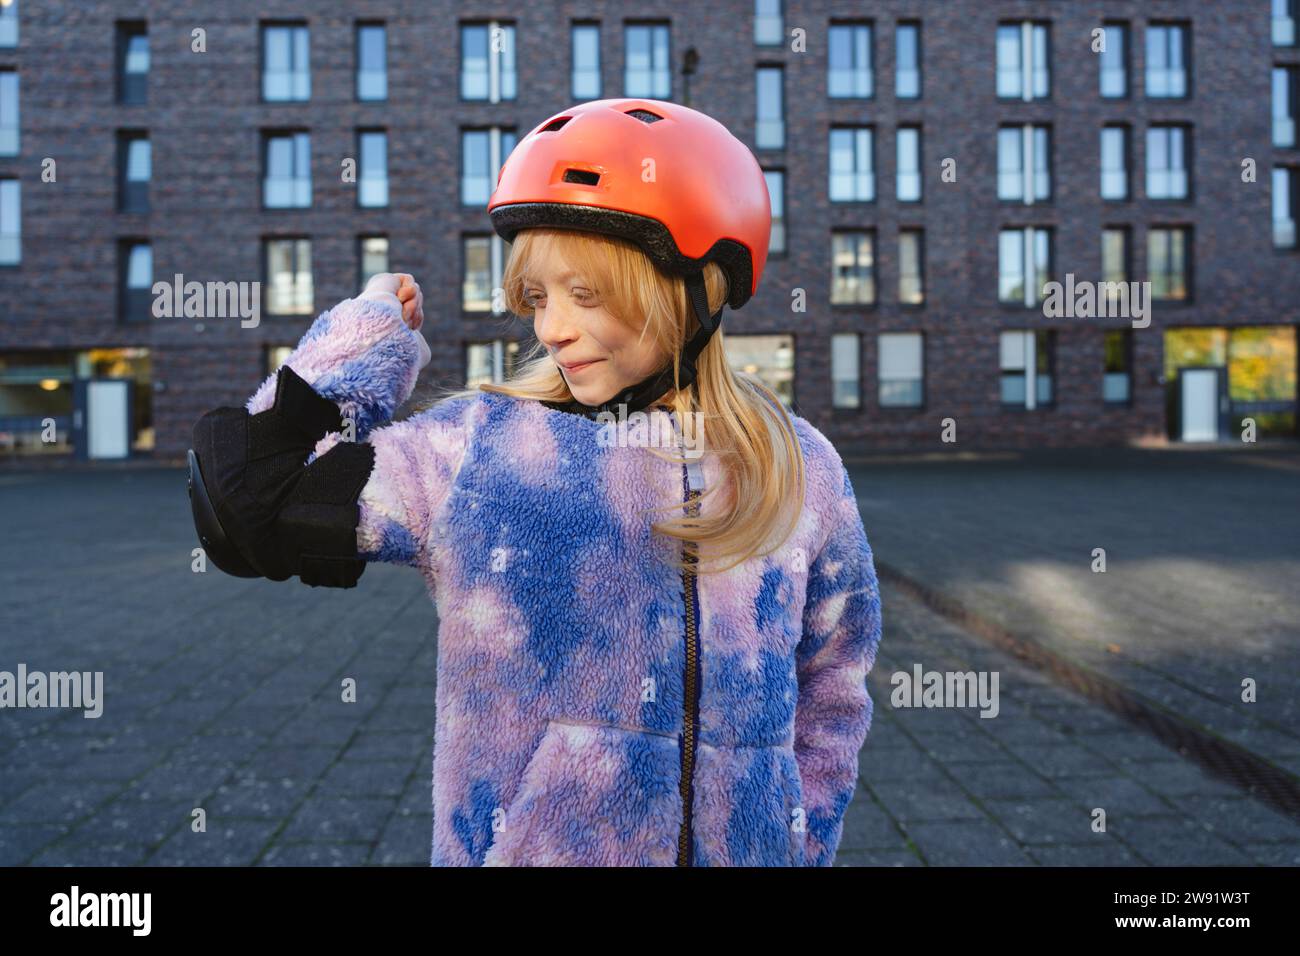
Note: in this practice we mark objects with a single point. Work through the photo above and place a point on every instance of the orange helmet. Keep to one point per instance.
(671, 179)
(668, 178)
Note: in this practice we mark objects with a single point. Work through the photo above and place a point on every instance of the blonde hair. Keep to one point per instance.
(748, 429)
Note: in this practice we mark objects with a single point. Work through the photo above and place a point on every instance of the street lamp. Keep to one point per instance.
(690, 60)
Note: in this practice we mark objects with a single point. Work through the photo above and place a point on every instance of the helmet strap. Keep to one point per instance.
(641, 395)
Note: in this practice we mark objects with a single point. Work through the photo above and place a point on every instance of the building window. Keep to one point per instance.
(1286, 189)
(911, 267)
(846, 385)
(1114, 254)
(1167, 162)
(487, 61)
(134, 164)
(1024, 163)
(11, 223)
(849, 73)
(487, 362)
(288, 277)
(1022, 61)
(1284, 22)
(908, 170)
(483, 259)
(372, 61)
(1166, 60)
(769, 29)
(9, 23)
(1114, 61)
(136, 278)
(1024, 253)
(769, 130)
(852, 156)
(1168, 257)
(907, 61)
(1285, 88)
(1114, 162)
(372, 179)
(9, 123)
(646, 65)
(372, 256)
(482, 151)
(776, 193)
(584, 42)
(1027, 366)
(286, 67)
(286, 180)
(853, 268)
(476, 283)
(901, 369)
(132, 63)
(769, 358)
(277, 355)
(1117, 377)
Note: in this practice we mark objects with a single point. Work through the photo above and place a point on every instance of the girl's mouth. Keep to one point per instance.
(578, 367)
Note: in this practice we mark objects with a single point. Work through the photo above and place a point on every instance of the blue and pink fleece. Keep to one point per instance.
(561, 645)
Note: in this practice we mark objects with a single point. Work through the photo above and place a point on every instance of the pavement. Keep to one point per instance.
(225, 694)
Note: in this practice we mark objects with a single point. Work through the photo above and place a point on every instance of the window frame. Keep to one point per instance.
(854, 71)
(656, 28)
(576, 26)
(291, 133)
(362, 25)
(882, 380)
(264, 26)
(869, 234)
(1185, 34)
(900, 27)
(266, 273)
(1125, 68)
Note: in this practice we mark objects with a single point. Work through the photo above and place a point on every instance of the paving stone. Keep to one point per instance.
(966, 843)
(316, 854)
(340, 818)
(18, 843)
(229, 843)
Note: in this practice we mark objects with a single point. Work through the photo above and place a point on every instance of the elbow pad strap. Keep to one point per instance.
(317, 527)
(258, 511)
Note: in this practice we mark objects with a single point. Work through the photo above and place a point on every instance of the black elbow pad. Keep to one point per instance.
(258, 510)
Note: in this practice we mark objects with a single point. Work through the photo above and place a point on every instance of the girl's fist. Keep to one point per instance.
(402, 286)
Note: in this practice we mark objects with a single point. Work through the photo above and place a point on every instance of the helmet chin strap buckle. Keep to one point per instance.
(647, 391)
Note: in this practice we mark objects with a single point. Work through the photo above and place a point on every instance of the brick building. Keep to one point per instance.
(932, 165)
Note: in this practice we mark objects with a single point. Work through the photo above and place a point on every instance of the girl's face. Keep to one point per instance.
(597, 354)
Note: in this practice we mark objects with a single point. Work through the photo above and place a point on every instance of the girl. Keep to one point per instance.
(646, 655)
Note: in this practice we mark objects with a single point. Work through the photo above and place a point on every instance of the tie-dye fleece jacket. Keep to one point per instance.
(561, 710)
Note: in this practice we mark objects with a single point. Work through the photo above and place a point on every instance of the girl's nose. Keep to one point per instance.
(553, 328)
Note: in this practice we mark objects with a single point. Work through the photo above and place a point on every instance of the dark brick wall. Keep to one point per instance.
(205, 118)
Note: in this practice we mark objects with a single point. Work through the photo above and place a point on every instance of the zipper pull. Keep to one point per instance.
(695, 474)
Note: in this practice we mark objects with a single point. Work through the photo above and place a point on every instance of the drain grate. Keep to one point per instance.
(1222, 758)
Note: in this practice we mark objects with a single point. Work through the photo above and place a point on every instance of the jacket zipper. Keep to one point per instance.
(691, 693)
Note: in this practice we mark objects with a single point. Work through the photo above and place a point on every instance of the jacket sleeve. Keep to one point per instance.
(361, 355)
(416, 463)
(841, 631)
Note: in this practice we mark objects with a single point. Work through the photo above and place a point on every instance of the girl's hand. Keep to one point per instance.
(403, 287)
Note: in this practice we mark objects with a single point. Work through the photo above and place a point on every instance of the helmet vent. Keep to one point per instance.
(554, 124)
(644, 116)
(583, 176)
